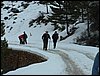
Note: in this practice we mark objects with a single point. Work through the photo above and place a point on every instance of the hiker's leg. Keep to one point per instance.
(46, 45)
(55, 44)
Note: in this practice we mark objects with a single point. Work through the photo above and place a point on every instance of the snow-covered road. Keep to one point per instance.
(72, 68)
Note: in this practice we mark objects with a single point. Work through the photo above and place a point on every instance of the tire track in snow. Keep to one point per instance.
(86, 54)
(72, 68)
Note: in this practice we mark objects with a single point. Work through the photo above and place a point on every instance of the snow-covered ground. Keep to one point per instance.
(66, 59)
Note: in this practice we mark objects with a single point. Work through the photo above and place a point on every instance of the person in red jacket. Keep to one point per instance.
(21, 39)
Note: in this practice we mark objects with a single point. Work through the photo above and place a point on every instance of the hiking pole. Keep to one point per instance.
(49, 44)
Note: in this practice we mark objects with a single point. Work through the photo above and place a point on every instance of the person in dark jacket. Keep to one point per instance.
(95, 68)
(45, 38)
(55, 38)
(25, 37)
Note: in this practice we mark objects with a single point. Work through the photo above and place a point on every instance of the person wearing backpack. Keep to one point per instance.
(55, 38)
(45, 38)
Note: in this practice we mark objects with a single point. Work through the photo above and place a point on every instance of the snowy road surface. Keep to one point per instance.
(72, 68)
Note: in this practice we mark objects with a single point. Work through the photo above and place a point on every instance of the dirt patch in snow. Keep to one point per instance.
(16, 59)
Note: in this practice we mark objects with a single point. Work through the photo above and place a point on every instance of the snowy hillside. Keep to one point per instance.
(67, 59)
(23, 25)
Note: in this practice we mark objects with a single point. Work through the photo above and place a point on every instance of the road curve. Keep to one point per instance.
(71, 67)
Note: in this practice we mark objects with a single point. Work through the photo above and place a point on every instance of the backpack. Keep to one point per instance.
(45, 36)
(55, 36)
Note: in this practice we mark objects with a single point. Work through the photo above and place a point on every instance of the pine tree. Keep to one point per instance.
(46, 3)
(2, 29)
(82, 6)
(94, 15)
(91, 15)
(3, 42)
(64, 13)
(89, 12)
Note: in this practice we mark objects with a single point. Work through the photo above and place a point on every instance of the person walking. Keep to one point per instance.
(55, 38)
(95, 68)
(45, 38)
(25, 37)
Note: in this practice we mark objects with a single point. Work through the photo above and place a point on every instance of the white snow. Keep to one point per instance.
(51, 66)
(82, 56)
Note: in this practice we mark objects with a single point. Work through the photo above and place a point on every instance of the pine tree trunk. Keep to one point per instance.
(67, 24)
(47, 8)
(67, 18)
(88, 29)
(59, 6)
(82, 15)
(67, 27)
